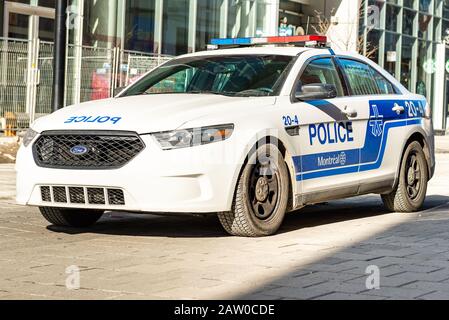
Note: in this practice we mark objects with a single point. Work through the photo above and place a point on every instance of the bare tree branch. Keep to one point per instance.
(324, 24)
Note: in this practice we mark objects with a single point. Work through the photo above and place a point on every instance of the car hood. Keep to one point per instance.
(146, 113)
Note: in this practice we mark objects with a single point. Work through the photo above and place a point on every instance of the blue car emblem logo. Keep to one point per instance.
(79, 150)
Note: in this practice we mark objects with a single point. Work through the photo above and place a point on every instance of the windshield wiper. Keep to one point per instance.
(261, 92)
(227, 94)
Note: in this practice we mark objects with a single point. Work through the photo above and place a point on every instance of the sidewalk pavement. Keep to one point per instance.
(442, 144)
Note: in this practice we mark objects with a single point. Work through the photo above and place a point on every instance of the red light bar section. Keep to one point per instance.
(297, 39)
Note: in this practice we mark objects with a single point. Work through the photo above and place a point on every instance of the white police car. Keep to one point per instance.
(250, 133)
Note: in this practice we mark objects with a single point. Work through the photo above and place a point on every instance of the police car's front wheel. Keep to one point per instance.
(71, 217)
(410, 193)
(261, 198)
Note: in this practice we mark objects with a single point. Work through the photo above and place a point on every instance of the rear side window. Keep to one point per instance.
(364, 80)
(321, 71)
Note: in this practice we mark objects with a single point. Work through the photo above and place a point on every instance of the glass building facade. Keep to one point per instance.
(171, 27)
(408, 36)
(112, 42)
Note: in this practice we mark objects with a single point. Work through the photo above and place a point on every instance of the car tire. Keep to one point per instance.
(410, 193)
(261, 195)
(71, 217)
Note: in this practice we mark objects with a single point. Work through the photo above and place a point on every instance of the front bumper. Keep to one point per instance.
(192, 180)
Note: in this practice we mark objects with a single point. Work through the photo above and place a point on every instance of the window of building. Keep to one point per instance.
(445, 29)
(47, 3)
(372, 45)
(321, 71)
(407, 61)
(424, 68)
(446, 8)
(208, 22)
(392, 18)
(408, 21)
(425, 25)
(391, 51)
(424, 5)
(139, 25)
(175, 27)
(364, 80)
(409, 4)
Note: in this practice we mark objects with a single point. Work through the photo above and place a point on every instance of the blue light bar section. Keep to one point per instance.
(231, 41)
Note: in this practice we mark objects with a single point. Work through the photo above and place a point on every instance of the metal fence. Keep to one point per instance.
(26, 76)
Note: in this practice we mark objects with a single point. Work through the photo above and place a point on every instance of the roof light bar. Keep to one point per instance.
(313, 39)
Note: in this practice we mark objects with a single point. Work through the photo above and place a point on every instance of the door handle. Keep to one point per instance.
(349, 112)
(398, 109)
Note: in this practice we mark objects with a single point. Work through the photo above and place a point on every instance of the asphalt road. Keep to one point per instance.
(321, 252)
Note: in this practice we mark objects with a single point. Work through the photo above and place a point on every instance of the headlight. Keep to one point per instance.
(193, 137)
(29, 137)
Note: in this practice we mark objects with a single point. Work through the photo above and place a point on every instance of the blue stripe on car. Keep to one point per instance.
(371, 156)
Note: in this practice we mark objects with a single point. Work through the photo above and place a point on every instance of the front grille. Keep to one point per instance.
(86, 150)
(116, 197)
(96, 196)
(46, 194)
(82, 195)
(76, 195)
(59, 195)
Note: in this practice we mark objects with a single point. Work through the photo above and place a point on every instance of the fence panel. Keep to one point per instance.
(13, 86)
(45, 81)
(101, 71)
(135, 64)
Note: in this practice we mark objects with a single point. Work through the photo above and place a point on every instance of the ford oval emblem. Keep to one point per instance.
(79, 150)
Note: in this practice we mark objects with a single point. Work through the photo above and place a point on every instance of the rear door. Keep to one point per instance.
(380, 109)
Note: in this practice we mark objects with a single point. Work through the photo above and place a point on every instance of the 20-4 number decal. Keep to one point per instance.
(290, 121)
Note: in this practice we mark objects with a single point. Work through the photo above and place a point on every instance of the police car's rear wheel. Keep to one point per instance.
(411, 191)
(71, 217)
(261, 197)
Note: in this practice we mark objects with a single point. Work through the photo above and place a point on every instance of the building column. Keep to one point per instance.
(224, 18)
(273, 18)
(238, 21)
(193, 9)
(158, 25)
(439, 88)
(78, 6)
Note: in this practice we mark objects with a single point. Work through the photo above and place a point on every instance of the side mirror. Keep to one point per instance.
(118, 90)
(316, 91)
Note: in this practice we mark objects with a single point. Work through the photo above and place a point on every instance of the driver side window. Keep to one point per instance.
(321, 71)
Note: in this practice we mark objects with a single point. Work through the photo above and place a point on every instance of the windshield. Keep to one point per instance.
(249, 75)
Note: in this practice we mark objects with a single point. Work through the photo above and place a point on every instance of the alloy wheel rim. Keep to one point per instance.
(413, 177)
(264, 188)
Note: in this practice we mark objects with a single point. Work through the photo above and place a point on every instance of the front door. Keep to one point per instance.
(330, 137)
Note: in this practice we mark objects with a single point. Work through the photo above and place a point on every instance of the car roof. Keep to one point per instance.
(272, 50)
(294, 51)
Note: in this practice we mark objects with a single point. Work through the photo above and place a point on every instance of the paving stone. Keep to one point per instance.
(319, 253)
(429, 286)
(348, 296)
(398, 293)
(436, 295)
(297, 293)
